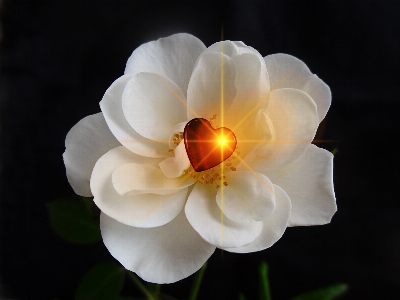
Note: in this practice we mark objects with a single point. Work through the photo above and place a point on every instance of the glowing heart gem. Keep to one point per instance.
(205, 146)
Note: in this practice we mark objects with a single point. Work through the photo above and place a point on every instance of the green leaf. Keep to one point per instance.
(135, 279)
(241, 296)
(73, 222)
(197, 282)
(104, 281)
(153, 288)
(326, 293)
(88, 202)
(265, 293)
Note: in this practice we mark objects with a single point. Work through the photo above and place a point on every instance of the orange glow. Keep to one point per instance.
(205, 146)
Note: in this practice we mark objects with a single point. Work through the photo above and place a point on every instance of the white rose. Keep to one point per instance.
(157, 220)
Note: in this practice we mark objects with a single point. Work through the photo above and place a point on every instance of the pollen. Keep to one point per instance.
(178, 137)
(214, 176)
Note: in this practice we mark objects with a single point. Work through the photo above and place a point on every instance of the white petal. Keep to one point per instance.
(208, 220)
(152, 105)
(248, 197)
(286, 71)
(85, 143)
(135, 179)
(173, 167)
(252, 94)
(294, 119)
(206, 90)
(148, 210)
(252, 84)
(177, 128)
(273, 227)
(232, 48)
(164, 254)
(320, 93)
(172, 57)
(111, 106)
(309, 183)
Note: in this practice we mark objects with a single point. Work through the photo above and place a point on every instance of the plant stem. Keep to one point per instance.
(140, 285)
(197, 282)
(265, 293)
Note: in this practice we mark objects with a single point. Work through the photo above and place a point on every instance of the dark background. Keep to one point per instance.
(59, 57)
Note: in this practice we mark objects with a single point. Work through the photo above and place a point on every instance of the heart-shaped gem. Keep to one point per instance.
(205, 146)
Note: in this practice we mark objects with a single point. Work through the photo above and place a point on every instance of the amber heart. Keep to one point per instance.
(205, 146)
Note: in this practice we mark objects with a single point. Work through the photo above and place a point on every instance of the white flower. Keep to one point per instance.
(157, 220)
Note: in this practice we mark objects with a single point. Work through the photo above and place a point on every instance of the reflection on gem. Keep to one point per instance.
(205, 146)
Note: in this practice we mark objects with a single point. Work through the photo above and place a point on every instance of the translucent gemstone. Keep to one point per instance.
(205, 146)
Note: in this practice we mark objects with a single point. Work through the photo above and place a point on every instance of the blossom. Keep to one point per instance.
(160, 218)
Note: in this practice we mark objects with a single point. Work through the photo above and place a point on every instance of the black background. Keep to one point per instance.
(59, 57)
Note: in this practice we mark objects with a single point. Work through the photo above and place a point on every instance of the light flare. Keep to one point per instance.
(221, 141)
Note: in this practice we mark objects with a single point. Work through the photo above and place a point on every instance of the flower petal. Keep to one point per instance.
(135, 179)
(248, 197)
(148, 210)
(85, 143)
(232, 48)
(309, 183)
(208, 88)
(294, 117)
(164, 254)
(172, 57)
(208, 220)
(252, 95)
(173, 167)
(273, 227)
(252, 84)
(320, 93)
(111, 106)
(286, 71)
(180, 127)
(153, 105)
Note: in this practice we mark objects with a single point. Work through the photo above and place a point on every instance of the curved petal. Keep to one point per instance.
(252, 95)
(273, 227)
(164, 254)
(148, 210)
(135, 179)
(251, 81)
(212, 82)
(180, 127)
(172, 57)
(232, 48)
(309, 183)
(286, 71)
(173, 167)
(294, 117)
(85, 143)
(111, 106)
(207, 219)
(248, 197)
(152, 105)
(320, 93)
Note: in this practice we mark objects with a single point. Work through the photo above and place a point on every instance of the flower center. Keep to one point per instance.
(207, 147)
(212, 152)
(219, 144)
(216, 175)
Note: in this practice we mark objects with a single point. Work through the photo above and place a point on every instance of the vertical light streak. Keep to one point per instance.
(222, 89)
(222, 84)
